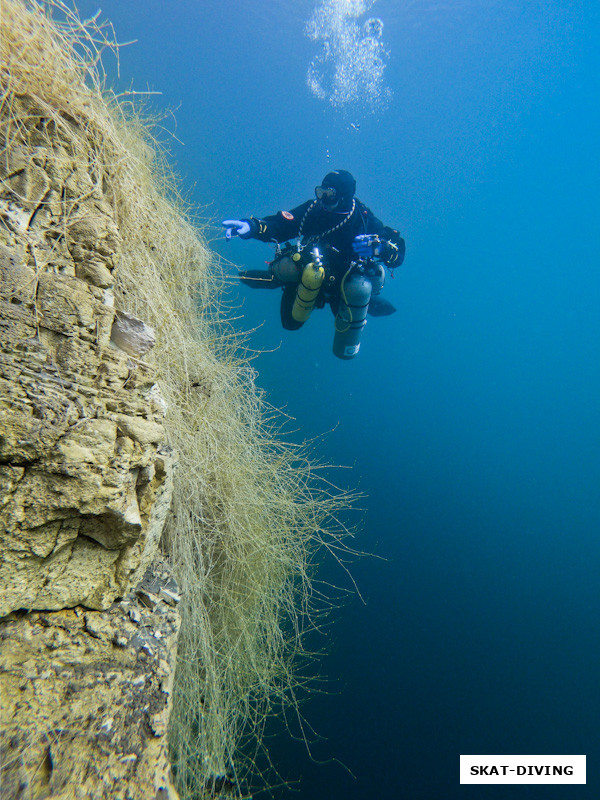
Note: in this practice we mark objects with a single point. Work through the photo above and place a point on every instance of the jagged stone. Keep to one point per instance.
(86, 697)
(132, 334)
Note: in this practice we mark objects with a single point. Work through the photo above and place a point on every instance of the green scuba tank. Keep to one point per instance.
(351, 317)
(308, 288)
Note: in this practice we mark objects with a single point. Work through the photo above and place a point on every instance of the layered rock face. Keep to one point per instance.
(84, 474)
(85, 488)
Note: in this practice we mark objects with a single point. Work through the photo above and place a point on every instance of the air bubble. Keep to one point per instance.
(349, 68)
(373, 27)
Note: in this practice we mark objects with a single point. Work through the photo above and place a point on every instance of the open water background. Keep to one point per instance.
(470, 417)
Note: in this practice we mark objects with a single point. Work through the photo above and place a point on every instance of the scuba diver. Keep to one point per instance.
(338, 258)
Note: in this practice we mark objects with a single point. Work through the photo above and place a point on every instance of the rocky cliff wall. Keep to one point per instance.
(108, 444)
(87, 650)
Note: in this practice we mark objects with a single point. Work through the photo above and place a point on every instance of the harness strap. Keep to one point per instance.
(326, 233)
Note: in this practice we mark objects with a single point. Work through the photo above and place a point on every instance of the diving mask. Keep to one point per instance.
(326, 194)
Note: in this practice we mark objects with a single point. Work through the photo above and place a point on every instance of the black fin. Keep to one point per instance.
(380, 307)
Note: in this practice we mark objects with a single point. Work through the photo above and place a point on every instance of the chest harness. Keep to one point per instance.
(301, 246)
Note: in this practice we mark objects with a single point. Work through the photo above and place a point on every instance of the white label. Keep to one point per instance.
(522, 769)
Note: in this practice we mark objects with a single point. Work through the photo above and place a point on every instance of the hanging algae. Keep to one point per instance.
(249, 512)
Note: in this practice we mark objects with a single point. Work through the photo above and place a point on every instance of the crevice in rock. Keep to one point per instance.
(37, 208)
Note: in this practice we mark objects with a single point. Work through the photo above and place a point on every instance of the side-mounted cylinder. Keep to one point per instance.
(351, 317)
(376, 275)
(287, 266)
(308, 288)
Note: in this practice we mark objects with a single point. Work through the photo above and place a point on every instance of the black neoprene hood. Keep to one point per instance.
(342, 181)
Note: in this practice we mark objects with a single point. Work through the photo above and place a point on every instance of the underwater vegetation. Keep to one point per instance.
(251, 514)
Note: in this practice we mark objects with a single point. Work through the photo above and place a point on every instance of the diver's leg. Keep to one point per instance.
(287, 301)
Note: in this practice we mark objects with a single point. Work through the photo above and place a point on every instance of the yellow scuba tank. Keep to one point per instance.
(308, 288)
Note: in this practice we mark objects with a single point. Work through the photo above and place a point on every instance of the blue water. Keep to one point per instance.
(470, 417)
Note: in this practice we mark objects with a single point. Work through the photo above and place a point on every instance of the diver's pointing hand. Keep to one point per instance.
(235, 227)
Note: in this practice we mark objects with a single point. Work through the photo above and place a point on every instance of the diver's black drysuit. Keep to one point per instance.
(333, 233)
